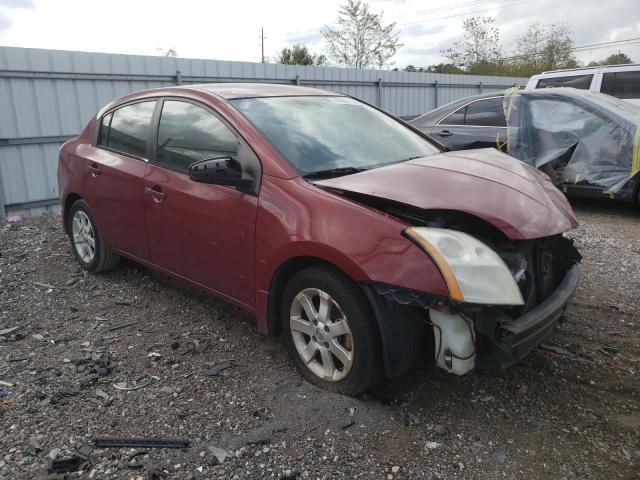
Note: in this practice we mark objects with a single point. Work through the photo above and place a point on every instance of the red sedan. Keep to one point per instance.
(345, 229)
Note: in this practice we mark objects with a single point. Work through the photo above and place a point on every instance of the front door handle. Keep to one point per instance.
(93, 170)
(156, 192)
(444, 133)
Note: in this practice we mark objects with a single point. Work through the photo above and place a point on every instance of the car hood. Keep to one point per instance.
(514, 197)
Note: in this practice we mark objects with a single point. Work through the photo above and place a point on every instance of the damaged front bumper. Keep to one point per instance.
(463, 337)
(503, 340)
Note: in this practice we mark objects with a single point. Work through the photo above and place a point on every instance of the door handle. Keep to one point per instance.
(156, 192)
(93, 170)
(444, 133)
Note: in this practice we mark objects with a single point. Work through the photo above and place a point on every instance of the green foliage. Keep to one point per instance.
(615, 59)
(360, 39)
(299, 55)
(480, 48)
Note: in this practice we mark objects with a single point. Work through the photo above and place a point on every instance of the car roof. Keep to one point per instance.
(585, 70)
(230, 91)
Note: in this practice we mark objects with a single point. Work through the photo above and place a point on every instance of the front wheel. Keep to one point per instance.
(86, 241)
(330, 332)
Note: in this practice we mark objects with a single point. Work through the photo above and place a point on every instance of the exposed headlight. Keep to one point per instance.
(474, 273)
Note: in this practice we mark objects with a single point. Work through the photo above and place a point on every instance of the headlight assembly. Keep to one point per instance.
(474, 273)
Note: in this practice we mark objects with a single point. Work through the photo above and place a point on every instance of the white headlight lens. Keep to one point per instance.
(471, 269)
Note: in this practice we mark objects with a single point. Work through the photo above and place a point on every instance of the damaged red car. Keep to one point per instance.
(349, 232)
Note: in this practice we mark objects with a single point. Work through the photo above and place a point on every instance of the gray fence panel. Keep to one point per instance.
(47, 96)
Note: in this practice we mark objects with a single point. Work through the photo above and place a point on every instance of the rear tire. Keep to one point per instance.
(86, 241)
(330, 332)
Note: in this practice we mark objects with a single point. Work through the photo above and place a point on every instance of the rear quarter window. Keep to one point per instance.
(621, 84)
(129, 128)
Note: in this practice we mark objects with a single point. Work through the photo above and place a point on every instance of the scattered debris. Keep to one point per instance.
(220, 453)
(440, 429)
(412, 420)
(125, 442)
(137, 382)
(155, 474)
(500, 454)
(44, 285)
(6, 384)
(431, 445)
(65, 392)
(219, 367)
(610, 350)
(8, 331)
(99, 362)
(76, 462)
(4, 392)
(105, 398)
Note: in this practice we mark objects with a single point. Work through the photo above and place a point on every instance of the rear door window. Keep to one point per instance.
(486, 113)
(130, 127)
(455, 118)
(188, 133)
(582, 82)
(621, 84)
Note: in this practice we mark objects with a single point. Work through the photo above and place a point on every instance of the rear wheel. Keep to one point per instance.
(330, 332)
(86, 241)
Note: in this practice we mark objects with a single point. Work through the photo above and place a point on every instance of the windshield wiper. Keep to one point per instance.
(334, 172)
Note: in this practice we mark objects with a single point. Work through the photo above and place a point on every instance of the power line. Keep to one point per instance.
(312, 33)
(580, 48)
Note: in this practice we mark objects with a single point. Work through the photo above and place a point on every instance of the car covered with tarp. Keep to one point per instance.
(587, 142)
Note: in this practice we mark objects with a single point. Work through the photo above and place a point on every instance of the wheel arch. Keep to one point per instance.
(279, 281)
(69, 200)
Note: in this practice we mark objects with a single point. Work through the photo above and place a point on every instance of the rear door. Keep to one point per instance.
(478, 124)
(622, 84)
(202, 232)
(116, 170)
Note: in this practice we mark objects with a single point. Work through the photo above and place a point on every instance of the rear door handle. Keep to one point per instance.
(156, 192)
(93, 170)
(444, 133)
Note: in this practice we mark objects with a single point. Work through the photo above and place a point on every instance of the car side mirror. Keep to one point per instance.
(220, 171)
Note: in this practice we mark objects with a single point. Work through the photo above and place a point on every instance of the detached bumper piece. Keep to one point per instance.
(513, 339)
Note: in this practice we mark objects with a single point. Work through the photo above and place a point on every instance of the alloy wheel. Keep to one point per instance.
(321, 334)
(84, 238)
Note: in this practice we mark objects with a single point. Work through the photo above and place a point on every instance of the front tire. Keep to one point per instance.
(330, 332)
(86, 241)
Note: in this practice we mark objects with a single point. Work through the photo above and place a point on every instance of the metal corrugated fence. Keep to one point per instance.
(47, 96)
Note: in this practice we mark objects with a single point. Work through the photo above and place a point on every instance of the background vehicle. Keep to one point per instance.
(554, 130)
(620, 81)
(472, 122)
(353, 242)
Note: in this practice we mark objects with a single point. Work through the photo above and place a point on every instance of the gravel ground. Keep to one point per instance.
(569, 410)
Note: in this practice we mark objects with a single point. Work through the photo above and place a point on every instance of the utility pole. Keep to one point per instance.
(262, 42)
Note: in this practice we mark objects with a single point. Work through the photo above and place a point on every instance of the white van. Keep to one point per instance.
(622, 81)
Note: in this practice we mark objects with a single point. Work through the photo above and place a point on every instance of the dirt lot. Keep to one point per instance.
(571, 410)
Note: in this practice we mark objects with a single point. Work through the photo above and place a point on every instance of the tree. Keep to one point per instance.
(171, 52)
(299, 55)
(360, 40)
(543, 47)
(479, 52)
(615, 59)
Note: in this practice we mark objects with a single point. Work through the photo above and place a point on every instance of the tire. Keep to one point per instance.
(96, 258)
(352, 348)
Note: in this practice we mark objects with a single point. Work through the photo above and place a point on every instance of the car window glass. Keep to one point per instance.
(188, 133)
(104, 129)
(456, 118)
(130, 127)
(582, 82)
(487, 112)
(621, 84)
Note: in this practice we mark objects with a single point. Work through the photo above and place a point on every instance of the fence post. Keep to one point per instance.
(297, 80)
(178, 77)
(3, 214)
(480, 87)
(435, 90)
(380, 92)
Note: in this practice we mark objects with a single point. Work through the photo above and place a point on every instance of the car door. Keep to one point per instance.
(202, 232)
(478, 124)
(115, 173)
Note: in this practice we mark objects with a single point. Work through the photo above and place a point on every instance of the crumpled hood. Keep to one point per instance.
(512, 196)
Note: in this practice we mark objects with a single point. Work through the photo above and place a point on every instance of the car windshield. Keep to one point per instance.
(316, 134)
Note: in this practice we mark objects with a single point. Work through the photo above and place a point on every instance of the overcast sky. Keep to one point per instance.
(229, 30)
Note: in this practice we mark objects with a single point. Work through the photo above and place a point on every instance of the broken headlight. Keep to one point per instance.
(473, 272)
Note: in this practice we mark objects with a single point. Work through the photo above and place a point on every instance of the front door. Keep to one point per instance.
(202, 232)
